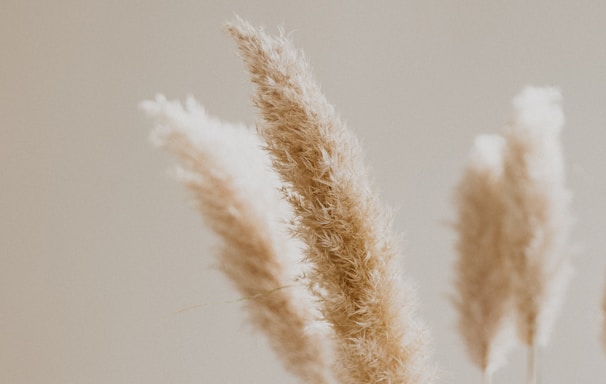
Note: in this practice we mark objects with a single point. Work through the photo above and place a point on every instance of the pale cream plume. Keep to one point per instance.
(230, 177)
(347, 232)
(538, 219)
(538, 215)
(483, 285)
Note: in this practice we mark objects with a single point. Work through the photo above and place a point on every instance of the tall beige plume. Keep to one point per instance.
(483, 285)
(347, 233)
(230, 177)
(538, 219)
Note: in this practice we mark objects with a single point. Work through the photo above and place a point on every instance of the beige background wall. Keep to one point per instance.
(99, 247)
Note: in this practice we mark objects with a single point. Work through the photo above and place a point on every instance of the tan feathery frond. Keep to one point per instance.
(538, 218)
(483, 295)
(347, 232)
(230, 177)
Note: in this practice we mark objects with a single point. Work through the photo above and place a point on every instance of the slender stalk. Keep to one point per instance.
(487, 377)
(532, 364)
(604, 319)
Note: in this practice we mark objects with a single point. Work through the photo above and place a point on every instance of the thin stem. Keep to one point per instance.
(487, 377)
(532, 371)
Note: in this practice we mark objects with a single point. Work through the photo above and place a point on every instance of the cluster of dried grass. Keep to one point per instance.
(513, 223)
(347, 242)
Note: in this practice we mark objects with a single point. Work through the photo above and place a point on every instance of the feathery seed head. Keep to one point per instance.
(237, 194)
(347, 237)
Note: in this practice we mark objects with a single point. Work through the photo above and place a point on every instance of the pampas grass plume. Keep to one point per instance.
(538, 218)
(483, 284)
(229, 175)
(347, 232)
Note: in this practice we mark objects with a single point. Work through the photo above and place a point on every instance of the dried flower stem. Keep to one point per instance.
(604, 319)
(346, 232)
(487, 377)
(227, 172)
(532, 367)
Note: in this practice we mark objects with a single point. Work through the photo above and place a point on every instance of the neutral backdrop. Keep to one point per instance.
(99, 247)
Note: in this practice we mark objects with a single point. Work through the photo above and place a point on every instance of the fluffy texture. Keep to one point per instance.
(347, 233)
(230, 177)
(537, 220)
(483, 285)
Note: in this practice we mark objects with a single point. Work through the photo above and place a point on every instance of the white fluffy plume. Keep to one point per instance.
(538, 218)
(230, 177)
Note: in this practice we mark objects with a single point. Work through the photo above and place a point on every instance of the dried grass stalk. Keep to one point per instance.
(538, 219)
(603, 335)
(347, 233)
(483, 285)
(229, 175)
